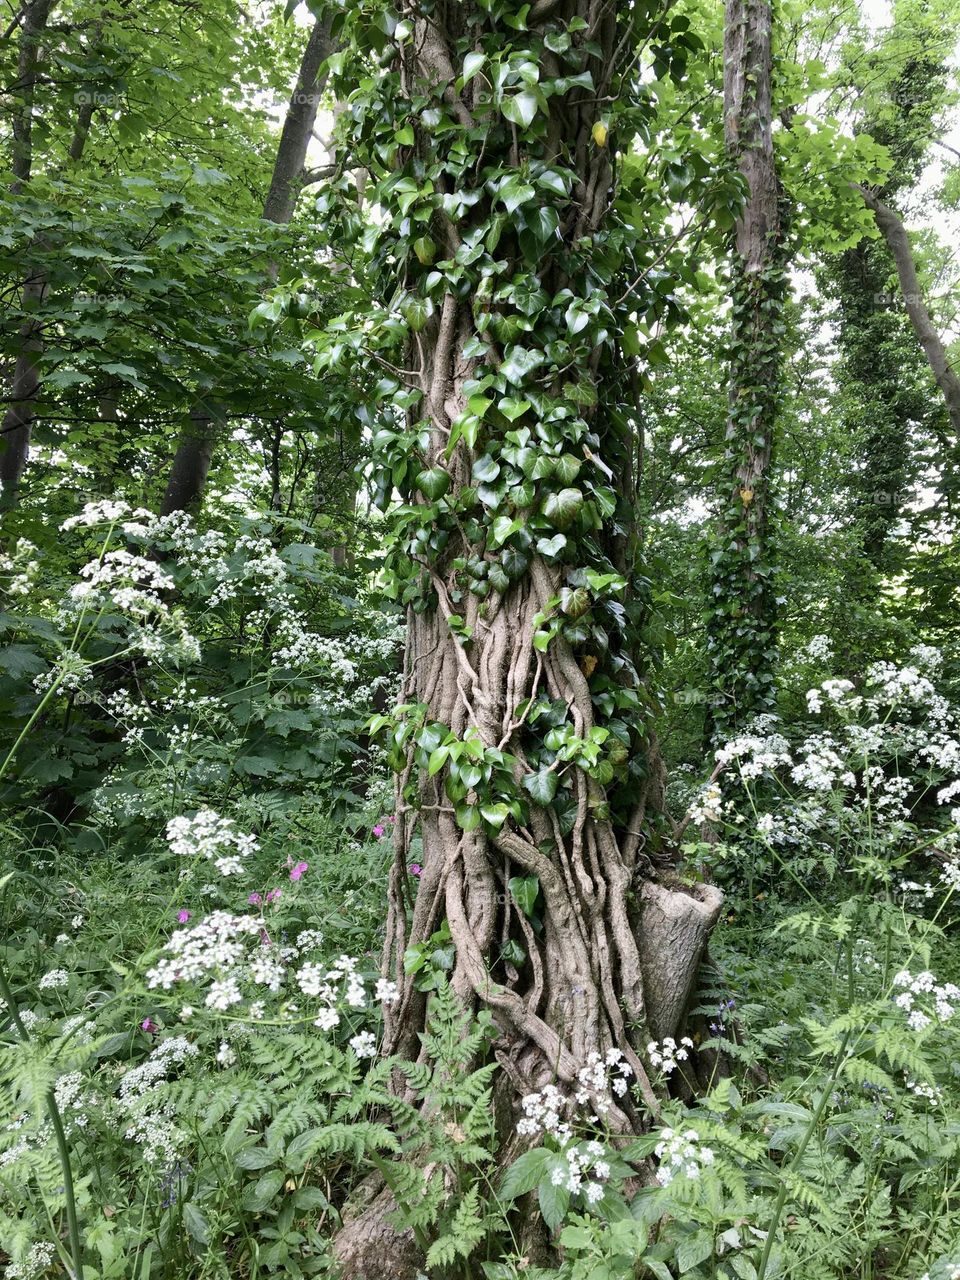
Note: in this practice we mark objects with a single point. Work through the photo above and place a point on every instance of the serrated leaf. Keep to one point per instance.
(261, 1195)
(524, 1174)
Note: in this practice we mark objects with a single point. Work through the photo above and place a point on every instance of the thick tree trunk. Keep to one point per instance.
(894, 233)
(612, 955)
(741, 621)
(198, 439)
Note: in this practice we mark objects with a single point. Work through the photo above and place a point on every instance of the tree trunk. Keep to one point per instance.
(298, 126)
(893, 231)
(25, 383)
(486, 796)
(197, 442)
(191, 462)
(741, 624)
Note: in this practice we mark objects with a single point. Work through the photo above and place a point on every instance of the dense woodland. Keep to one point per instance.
(479, 640)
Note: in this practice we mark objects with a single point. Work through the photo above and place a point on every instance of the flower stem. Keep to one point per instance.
(63, 1149)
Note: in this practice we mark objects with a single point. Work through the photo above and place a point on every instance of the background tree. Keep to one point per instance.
(741, 619)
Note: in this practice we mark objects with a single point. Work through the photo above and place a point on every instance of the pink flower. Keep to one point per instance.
(265, 939)
(183, 915)
(273, 895)
(296, 872)
(378, 830)
(148, 1025)
(415, 868)
(255, 900)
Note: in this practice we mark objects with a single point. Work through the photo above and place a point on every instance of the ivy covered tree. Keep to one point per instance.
(741, 609)
(529, 793)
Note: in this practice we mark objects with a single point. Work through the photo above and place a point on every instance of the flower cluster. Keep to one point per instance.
(38, 1259)
(707, 806)
(582, 1170)
(552, 1112)
(232, 960)
(208, 835)
(666, 1055)
(680, 1156)
(924, 1000)
(143, 1101)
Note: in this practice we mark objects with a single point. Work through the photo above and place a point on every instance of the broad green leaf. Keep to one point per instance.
(520, 108)
(541, 786)
(524, 890)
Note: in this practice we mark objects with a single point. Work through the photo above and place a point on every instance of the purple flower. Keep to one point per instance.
(378, 830)
(149, 1026)
(415, 868)
(255, 900)
(273, 895)
(296, 872)
(183, 915)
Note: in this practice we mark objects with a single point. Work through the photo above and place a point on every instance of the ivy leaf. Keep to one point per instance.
(425, 249)
(520, 109)
(433, 483)
(566, 468)
(524, 890)
(514, 193)
(541, 787)
(471, 65)
(485, 469)
(498, 578)
(562, 508)
(467, 816)
(495, 814)
(520, 363)
(574, 602)
(513, 408)
(515, 562)
(417, 311)
(551, 547)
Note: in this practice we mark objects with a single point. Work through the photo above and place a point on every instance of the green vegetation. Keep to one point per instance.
(479, 669)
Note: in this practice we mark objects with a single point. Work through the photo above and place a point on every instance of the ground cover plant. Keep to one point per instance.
(479, 686)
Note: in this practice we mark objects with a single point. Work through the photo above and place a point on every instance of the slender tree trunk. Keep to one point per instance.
(25, 383)
(483, 797)
(197, 442)
(191, 462)
(894, 233)
(741, 627)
